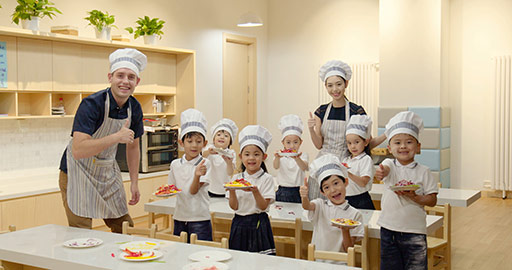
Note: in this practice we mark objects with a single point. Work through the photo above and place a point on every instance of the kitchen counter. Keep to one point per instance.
(29, 182)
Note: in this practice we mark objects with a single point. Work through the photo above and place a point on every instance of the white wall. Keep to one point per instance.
(191, 24)
(303, 35)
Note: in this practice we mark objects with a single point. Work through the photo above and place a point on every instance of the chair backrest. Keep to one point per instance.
(127, 229)
(171, 237)
(222, 244)
(167, 219)
(363, 249)
(219, 232)
(348, 257)
(445, 211)
(12, 228)
(296, 240)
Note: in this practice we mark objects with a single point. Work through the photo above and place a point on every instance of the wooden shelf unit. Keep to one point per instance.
(43, 67)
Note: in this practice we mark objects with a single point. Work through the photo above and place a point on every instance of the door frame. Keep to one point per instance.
(252, 68)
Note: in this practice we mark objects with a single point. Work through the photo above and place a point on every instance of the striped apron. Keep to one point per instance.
(95, 185)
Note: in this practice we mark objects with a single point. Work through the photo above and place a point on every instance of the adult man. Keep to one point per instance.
(90, 179)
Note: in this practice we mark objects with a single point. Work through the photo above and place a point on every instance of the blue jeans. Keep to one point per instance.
(402, 251)
(203, 229)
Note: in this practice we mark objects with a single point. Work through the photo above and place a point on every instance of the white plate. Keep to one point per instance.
(166, 195)
(83, 242)
(157, 254)
(210, 255)
(222, 152)
(205, 265)
(140, 245)
(345, 225)
(229, 187)
(288, 154)
(403, 188)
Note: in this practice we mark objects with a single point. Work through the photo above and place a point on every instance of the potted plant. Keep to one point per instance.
(102, 23)
(149, 28)
(30, 11)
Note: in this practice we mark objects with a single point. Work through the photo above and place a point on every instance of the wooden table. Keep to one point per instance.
(455, 197)
(289, 211)
(41, 247)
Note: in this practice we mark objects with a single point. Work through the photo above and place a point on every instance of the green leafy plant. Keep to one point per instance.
(100, 20)
(147, 27)
(33, 8)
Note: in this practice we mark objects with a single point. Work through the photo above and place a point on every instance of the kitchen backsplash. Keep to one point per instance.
(33, 143)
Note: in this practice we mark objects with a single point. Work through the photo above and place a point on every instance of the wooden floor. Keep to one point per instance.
(481, 235)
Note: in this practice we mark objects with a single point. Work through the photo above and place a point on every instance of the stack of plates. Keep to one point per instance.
(58, 111)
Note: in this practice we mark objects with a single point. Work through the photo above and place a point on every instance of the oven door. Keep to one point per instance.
(159, 159)
(162, 138)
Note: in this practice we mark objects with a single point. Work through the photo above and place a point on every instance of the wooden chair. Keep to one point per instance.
(363, 249)
(296, 226)
(439, 249)
(222, 244)
(127, 229)
(171, 237)
(348, 257)
(12, 228)
(167, 219)
(219, 223)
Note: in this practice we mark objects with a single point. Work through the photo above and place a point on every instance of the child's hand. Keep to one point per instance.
(311, 121)
(227, 159)
(212, 152)
(407, 193)
(251, 189)
(304, 190)
(200, 169)
(276, 154)
(381, 172)
(297, 156)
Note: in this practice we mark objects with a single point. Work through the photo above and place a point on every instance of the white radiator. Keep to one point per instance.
(363, 89)
(502, 179)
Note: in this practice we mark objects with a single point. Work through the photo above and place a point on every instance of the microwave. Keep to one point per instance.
(158, 148)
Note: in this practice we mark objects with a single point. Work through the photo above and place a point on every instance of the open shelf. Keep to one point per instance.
(33, 104)
(7, 104)
(71, 102)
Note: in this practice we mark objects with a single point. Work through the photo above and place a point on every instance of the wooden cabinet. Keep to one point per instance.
(44, 67)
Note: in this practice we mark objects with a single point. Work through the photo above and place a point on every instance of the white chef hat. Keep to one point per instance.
(360, 125)
(256, 135)
(404, 122)
(290, 124)
(128, 58)
(335, 67)
(327, 165)
(193, 120)
(227, 125)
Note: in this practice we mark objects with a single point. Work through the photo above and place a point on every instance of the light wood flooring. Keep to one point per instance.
(481, 235)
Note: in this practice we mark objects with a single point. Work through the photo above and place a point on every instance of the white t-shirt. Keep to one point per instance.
(400, 213)
(246, 201)
(362, 165)
(325, 236)
(289, 173)
(190, 207)
(219, 174)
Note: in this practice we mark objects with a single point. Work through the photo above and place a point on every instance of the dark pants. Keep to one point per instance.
(203, 229)
(288, 194)
(361, 201)
(213, 195)
(115, 224)
(402, 251)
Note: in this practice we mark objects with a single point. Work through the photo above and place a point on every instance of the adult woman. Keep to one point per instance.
(327, 126)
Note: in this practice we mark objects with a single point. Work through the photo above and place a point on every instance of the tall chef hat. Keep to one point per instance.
(227, 125)
(256, 135)
(193, 120)
(335, 67)
(360, 125)
(128, 58)
(404, 122)
(290, 124)
(325, 166)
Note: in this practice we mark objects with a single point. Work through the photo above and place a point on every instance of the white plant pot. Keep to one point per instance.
(32, 24)
(150, 40)
(104, 33)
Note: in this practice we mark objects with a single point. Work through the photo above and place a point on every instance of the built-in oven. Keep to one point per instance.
(158, 148)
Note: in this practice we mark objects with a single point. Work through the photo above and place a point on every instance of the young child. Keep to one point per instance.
(360, 172)
(332, 178)
(291, 168)
(191, 174)
(403, 241)
(223, 164)
(250, 228)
